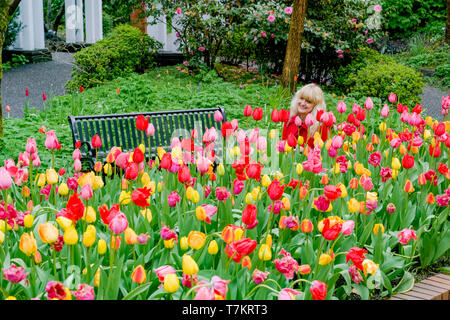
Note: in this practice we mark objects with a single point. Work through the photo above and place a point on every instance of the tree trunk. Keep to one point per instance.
(49, 12)
(7, 9)
(58, 18)
(294, 45)
(447, 24)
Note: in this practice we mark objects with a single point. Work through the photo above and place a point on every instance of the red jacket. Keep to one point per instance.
(290, 128)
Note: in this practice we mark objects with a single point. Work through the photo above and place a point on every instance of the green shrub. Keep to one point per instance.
(126, 50)
(381, 78)
(443, 73)
(347, 75)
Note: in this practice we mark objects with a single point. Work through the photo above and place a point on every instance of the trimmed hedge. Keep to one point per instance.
(126, 50)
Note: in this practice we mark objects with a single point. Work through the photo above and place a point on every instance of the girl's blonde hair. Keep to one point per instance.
(313, 94)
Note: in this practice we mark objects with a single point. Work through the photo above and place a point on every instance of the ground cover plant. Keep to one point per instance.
(272, 220)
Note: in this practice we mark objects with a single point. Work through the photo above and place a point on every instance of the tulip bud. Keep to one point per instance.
(324, 259)
(139, 275)
(70, 236)
(159, 187)
(213, 248)
(265, 181)
(184, 245)
(265, 253)
(37, 257)
(304, 269)
(101, 247)
(97, 278)
(189, 265)
(63, 189)
(171, 283)
(299, 169)
(130, 236)
(28, 221)
(89, 236)
(220, 170)
(377, 227)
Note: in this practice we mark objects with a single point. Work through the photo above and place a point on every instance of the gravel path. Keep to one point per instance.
(50, 78)
(44, 77)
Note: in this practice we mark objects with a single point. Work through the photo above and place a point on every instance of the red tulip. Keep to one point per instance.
(249, 214)
(435, 151)
(140, 196)
(248, 111)
(184, 174)
(275, 190)
(227, 129)
(284, 115)
(408, 161)
(132, 171)
(332, 192)
(318, 290)
(417, 109)
(96, 141)
(75, 208)
(141, 123)
(254, 171)
(440, 129)
(78, 144)
(257, 114)
(356, 255)
(291, 140)
(62, 171)
(138, 156)
(331, 233)
(166, 161)
(275, 117)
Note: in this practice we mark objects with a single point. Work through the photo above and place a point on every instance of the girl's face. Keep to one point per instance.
(304, 106)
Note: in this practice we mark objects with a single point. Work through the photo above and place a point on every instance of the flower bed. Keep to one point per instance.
(271, 220)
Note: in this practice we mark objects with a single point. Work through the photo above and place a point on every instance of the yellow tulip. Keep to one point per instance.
(147, 213)
(220, 169)
(343, 189)
(427, 134)
(169, 244)
(286, 203)
(64, 222)
(265, 181)
(196, 239)
(299, 169)
(41, 179)
(27, 243)
(189, 193)
(52, 176)
(248, 198)
(265, 253)
(429, 120)
(189, 265)
(145, 179)
(337, 168)
(70, 236)
(171, 283)
(89, 236)
(324, 259)
(200, 213)
(369, 267)
(48, 232)
(63, 189)
(97, 278)
(184, 245)
(213, 248)
(396, 165)
(382, 126)
(107, 169)
(98, 183)
(272, 133)
(101, 247)
(353, 205)
(376, 227)
(2, 237)
(125, 197)
(130, 236)
(356, 136)
(89, 215)
(28, 221)
(300, 140)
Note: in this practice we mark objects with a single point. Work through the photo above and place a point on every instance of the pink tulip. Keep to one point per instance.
(203, 164)
(219, 285)
(309, 120)
(385, 111)
(173, 198)
(31, 146)
(51, 142)
(261, 144)
(204, 293)
(86, 192)
(76, 165)
(324, 117)
(259, 276)
(24, 158)
(238, 186)
(37, 162)
(337, 142)
(341, 108)
(218, 116)
(298, 121)
(162, 271)
(5, 179)
(119, 223)
(150, 131)
(288, 294)
(84, 292)
(405, 235)
(369, 104)
(392, 97)
(15, 274)
(234, 124)
(253, 135)
(240, 136)
(347, 227)
(76, 154)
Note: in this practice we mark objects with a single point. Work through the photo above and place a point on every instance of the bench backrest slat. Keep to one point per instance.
(120, 129)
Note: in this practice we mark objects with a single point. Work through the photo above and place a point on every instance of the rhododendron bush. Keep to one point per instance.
(234, 213)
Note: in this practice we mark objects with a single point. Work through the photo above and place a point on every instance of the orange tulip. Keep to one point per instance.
(48, 232)
(246, 262)
(196, 239)
(430, 198)
(139, 275)
(306, 226)
(28, 244)
(409, 186)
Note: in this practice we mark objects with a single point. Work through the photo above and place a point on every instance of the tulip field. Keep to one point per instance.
(236, 214)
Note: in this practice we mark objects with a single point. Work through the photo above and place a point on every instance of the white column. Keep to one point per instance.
(38, 24)
(26, 17)
(94, 23)
(74, 21)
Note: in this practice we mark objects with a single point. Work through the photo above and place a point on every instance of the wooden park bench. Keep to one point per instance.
(120, 130)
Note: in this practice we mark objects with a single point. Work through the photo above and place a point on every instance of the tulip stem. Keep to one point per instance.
(259, 286)
(88, 267)
(54, 263)
(5, 197)
(318, 257)
(299, 280)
